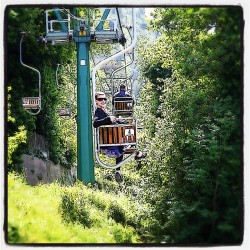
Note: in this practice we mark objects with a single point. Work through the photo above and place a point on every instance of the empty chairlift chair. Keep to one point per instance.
(31, 104)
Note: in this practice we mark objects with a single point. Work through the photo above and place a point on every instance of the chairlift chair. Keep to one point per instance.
(116, 134)
(31, 103)
(64, 112)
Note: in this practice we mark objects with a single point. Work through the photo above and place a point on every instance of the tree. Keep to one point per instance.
(194, 166)
(25, 83)
(17, 138)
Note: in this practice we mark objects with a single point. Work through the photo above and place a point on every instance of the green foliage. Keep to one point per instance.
(116, 213)
(74, 208)
(51, 213)
(15, 141)
(13, 234)
(24, 82)
(194, 161)
(123, 235)
(19, 137)
(188, 190)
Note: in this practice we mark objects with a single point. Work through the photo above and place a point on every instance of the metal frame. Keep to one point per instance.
(58, 36)
(122, 67)
(99, 33)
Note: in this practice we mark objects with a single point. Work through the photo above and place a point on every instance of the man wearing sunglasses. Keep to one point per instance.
(101, 117)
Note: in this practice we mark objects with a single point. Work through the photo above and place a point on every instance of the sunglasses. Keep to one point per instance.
(101, 99)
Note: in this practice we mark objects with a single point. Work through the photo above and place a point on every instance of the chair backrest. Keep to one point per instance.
(117, 135)
(65, 112)
(31, 102)
(123, 105)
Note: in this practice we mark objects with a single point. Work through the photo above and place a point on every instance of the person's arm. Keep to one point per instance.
(101, 118)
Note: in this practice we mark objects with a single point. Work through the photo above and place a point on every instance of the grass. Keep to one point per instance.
(52, 213)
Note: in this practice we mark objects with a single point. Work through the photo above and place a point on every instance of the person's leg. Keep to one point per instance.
(118, 160)
(118, 175)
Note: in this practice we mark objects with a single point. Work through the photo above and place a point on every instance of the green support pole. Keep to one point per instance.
(85, 161)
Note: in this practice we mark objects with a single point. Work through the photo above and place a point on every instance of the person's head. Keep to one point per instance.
(100, 99)
(122, 89)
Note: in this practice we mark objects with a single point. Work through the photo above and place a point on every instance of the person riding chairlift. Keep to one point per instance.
(121, 93)
(101, 117)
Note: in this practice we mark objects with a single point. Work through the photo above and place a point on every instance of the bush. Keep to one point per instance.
(13, 234)
(117, 213)
(74, 208)
(123, 235)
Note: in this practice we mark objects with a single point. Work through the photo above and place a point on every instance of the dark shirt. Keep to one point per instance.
(101, 118)
(120, 94)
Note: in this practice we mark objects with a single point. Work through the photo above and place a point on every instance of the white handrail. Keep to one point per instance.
(122, 52)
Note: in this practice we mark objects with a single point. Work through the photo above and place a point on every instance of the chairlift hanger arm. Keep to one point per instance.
(119, 69)
(68, 72)
(105, 14)
(60, 18)
(93, 59)
(21, 61)
(57, 68)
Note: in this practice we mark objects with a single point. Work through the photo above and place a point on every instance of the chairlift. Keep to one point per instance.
(122, 105)
(124, 134)
(130, 53)
(65, 112)
(31, 103)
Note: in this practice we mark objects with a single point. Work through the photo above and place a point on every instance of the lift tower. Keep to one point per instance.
(85, 161)
(58, 31)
